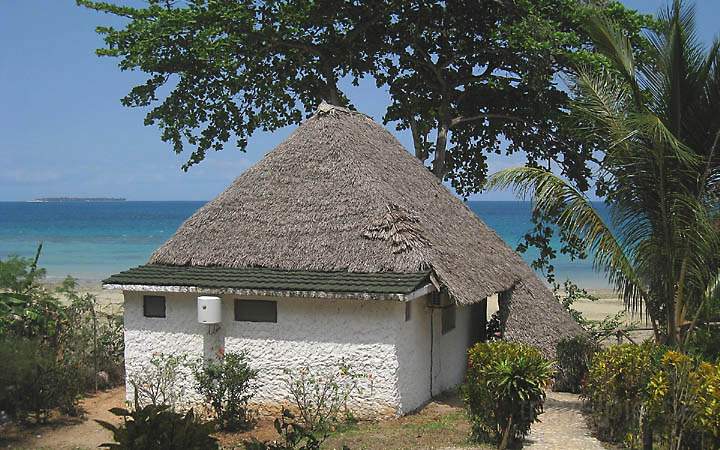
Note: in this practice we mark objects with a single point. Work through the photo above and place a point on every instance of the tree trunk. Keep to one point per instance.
(418, 141)
(440, 161)
(333, 93)
(333, 96)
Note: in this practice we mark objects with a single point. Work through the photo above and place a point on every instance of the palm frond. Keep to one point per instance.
(577, 217)
(615, 45)
(601, 102)
(664, 143)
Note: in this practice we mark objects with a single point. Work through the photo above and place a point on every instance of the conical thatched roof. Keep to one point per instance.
(341, 193)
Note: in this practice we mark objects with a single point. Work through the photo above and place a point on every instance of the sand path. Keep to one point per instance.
(562, 427)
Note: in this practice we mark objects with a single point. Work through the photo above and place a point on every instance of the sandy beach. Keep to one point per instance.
(109, 301)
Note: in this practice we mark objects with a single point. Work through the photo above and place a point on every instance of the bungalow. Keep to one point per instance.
(338, 246)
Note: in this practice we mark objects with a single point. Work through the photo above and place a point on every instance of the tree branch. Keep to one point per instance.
(464, 119)
(427, 62)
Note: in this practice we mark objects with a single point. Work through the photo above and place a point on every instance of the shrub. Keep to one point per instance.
(672, 398)
(293, 435)
(321, 395)
(616, 388)
(53, 350)
(684, 401)
(34, 382)
(227, 384)
(158, 383)
(157, 427)
(90, 339)
(504, 390)
(705, 343)
(493, 328)
(573, 360)
(708, 402)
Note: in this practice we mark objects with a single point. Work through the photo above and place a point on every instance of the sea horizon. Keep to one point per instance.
(93, 240)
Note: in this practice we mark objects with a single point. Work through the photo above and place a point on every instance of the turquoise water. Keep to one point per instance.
(93, 240)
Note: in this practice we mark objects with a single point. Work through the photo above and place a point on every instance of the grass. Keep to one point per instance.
(440, 424)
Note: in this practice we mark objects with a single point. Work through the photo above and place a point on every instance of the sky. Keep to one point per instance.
(63, 131)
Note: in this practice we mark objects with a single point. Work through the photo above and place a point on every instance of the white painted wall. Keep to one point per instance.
(323, 333)
(449, 354)
(371, 336)
(317, 332)
(178, 333)
(450, 349)
(413, 350)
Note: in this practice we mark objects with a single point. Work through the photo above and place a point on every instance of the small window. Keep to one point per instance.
(153, 306)
(448, 319)
(255, 311)
(408, 311)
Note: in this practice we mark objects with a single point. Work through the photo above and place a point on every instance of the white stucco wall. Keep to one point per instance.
(449, 353)
(413, 349)
(320, 333)
(179, 333)
(450, 349)
(371, 336)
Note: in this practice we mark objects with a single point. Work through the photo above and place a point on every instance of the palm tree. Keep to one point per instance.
(659, 121)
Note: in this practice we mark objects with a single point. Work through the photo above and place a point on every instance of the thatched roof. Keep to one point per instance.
(341, 193)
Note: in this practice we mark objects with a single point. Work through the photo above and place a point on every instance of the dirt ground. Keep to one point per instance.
(68, 432)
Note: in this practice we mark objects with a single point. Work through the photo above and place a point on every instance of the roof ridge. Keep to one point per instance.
(327, 108)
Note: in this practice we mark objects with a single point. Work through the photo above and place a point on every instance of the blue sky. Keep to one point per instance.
(63, 130)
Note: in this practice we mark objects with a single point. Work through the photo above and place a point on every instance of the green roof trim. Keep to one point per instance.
(258, 278)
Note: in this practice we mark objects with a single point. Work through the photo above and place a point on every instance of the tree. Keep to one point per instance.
(485, 77)
(468, 73)
(232, 68)
(659, 121)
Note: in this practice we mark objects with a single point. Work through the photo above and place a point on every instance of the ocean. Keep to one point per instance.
(91, 241)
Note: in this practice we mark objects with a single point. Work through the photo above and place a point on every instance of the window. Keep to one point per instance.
(408, 311)
(153, 306)
(448, 319)
(255, 311)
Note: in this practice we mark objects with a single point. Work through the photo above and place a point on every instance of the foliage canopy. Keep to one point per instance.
(467, 78)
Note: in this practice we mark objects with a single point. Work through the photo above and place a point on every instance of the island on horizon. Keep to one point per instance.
(78, 199)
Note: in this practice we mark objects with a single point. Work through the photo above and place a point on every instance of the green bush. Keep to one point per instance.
(154, 427)
(615, 388)
(705, 343)
(227, 383)
(504, 390)
(53, 350)
(573, 360)
(33, 381)
(708, 403)
(684, 402)
(27, 309)
(90, 339)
